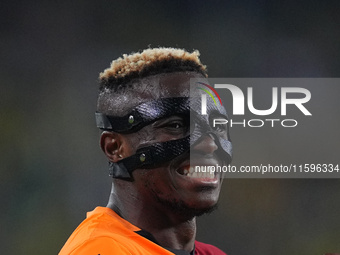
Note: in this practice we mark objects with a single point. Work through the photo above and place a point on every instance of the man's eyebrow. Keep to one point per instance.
(177, 116)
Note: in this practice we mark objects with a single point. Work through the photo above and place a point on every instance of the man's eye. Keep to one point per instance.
(174, 125)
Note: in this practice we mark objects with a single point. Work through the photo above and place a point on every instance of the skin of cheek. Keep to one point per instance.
(154, 182)
(145, 179)
(159, 184)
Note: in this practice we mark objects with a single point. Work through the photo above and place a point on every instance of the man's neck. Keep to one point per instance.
(170, 229)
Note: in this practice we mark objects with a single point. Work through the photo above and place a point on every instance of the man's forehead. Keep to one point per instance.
(160, 86)
(165, 85)
(149, 89)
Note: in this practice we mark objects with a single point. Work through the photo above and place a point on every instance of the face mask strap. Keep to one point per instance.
(143, 115)
(149, 157)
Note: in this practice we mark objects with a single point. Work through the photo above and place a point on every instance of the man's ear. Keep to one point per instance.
(113, 145)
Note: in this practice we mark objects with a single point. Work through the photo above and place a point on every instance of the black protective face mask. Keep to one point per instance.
(160, 153)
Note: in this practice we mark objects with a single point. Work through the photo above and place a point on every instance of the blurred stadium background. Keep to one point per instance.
(52, 170)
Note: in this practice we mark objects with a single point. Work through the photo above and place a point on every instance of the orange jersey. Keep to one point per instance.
(104, 232)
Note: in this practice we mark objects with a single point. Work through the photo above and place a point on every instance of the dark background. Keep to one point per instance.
(52, 170)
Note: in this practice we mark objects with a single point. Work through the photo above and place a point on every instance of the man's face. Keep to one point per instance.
(169, 186)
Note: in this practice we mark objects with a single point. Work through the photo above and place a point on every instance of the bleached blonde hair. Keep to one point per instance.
(149, 62)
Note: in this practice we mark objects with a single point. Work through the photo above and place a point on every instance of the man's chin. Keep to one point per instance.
(187, 211)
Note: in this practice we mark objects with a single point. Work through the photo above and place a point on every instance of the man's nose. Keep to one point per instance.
(206, 145)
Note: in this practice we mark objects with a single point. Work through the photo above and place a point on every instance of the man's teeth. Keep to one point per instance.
(190, 172)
